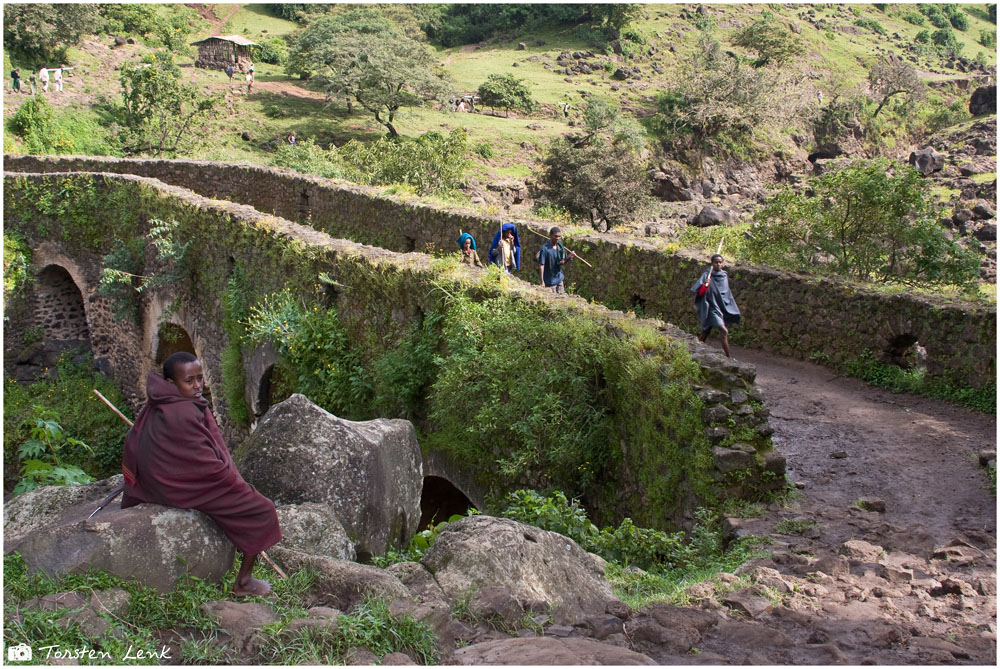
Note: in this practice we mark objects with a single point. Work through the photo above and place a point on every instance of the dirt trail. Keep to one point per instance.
(915, 584)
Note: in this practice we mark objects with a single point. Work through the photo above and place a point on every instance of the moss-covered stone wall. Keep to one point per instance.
(822, 319)
(707, 439)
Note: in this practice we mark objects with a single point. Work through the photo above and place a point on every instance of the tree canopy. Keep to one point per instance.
(364, 56)
(505, 91)
(46, 29)
(773, 43)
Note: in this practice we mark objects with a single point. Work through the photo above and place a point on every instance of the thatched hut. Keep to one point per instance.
(215, 53)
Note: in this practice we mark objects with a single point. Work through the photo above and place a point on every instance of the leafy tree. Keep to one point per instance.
(362, 55)
(129, 18)
(505, 91)
(33, 122)
(614, 17)
(45, 30)
(873, 220)
(945, 39)
(891, 76)
(600, 174)
(773, 43)
(159, 114)
(431, 163)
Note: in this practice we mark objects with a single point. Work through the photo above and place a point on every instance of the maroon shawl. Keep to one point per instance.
(175, 456)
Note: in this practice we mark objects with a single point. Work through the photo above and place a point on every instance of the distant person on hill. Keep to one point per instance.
(551, 258)
(31, 80)
(506, 248)
(43, 78)
(715, 303)
(15, 76)
(250, 82)
(175, 456)
(467, 244)
(230, 71)
(292, 139)
(565, 108)
(57, 79)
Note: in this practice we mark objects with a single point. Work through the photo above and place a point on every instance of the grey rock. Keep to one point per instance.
(983, 211)
(417, 580)
(730, 460)
(151, 543)
(983, 101)
(533, 565)
(241, 621)
(927, 160)
(986, 233)
(712, 216)
(548, 651)
(314, 528)
(370, 473)
(747, 602)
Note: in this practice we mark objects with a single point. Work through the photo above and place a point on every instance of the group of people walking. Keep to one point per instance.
(714, 301)
(45, 75)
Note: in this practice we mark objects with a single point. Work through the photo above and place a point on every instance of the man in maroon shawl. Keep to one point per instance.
(175, 456)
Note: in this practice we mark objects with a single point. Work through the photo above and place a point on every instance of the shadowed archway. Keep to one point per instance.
(440, 500)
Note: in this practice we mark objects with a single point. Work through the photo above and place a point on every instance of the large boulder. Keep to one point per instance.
(369, 473)
(314, 528)
(927, 160)
(151, 543)
(712, 216)
(535, 566)
(984, 100)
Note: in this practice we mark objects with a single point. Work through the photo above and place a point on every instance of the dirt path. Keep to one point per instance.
(915, 584)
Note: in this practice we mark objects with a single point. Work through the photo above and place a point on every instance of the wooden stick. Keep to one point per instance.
(112, 407)
(719, 250)
(276, 568)
(567, 248)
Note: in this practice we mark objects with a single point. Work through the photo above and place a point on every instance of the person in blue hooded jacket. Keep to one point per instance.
(715, 303)
(506, 248)
(467, 246)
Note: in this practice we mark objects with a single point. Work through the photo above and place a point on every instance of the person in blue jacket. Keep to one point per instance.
(506, 248)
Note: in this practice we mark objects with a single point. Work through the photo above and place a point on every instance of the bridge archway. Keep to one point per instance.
(440, 500)
(59, 306)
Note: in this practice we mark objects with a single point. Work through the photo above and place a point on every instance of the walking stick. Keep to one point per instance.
(117, 491)
(567, 248)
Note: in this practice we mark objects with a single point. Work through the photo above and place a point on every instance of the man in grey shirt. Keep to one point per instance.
(551, 258)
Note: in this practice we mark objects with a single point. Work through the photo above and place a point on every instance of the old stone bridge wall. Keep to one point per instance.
(823, 319)
(72, 220)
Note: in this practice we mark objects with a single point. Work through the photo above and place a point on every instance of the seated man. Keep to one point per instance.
(175, 456)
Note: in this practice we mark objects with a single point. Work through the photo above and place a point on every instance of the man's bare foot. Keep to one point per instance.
(252, 587)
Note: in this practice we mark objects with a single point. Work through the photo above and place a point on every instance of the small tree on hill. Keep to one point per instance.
(891, 76)
(773, 43)
(505, 91)
(46, 29)
(159, 114)
(362, 55)
(614, 17)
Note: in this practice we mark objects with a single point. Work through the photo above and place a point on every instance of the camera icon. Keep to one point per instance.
(19, 653)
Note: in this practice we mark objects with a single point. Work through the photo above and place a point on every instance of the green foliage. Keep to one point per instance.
(453, 25)
(956, 17)
(419, 544)
(615, 17)
(885, 375)
(872, 219)
(923, 37)
(69, 401)
(371, 625)
(403, 374)
(485, 150)
(946, 41)
(121, 280)
(309, 158)
(362, 55)
(600, 173)
(131, 19)
(41, 464)
(33, 122)
(46, 30)
(773, 43)
(16, 265)
(505, 91)
(913, 18)
(159, 115)
(891, 76)
(988, 38)
(235, 310)
(431, 163)
(273, 50)
(872, 25)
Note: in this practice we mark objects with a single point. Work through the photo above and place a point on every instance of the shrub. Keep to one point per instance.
(988, 38)
(872, 25)
(16, 265)
(431, 163)
(131, 19)
(273, 50)
(956, 17)
(939, 21)
(33, 122)
(945, 40)
(874, 221)
(506, 92)
(923, 37)
(484, 150)
(915, 18)
(772, 42)
(308, 157)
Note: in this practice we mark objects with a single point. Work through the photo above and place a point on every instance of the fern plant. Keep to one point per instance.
(40, 455)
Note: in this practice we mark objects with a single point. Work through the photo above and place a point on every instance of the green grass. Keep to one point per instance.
(793, 525)
(253, 21)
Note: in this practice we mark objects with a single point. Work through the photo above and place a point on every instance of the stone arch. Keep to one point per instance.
(905, 351)
(271, 389)
(59, 306)
(439, 500)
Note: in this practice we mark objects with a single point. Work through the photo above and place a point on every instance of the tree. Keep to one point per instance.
(615, 17)
(891, 76)
(773, 44)
(362, 55)
(600, 174)
(873, 219)
(505, 91)
(44, 30)
(159, 115)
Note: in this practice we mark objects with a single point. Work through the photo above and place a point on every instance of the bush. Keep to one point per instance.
(772, 42)
(308, 157)
(955, 16)
(46, 30)
(131, 19)
(945, 40)
(431, 163)
(273, 50)
(34, 123)
(923, 37)
(484, 150)
(873, 220)
(915, 18)
(506, 92)
(70, 402)
(872, 25)
(988, 38)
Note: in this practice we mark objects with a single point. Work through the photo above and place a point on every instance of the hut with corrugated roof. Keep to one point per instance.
(216, 53)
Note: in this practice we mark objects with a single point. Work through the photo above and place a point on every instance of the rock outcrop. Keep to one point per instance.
(546, 651)
(314, 528)
(369, 473)
(151, 543)
(534, 567)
